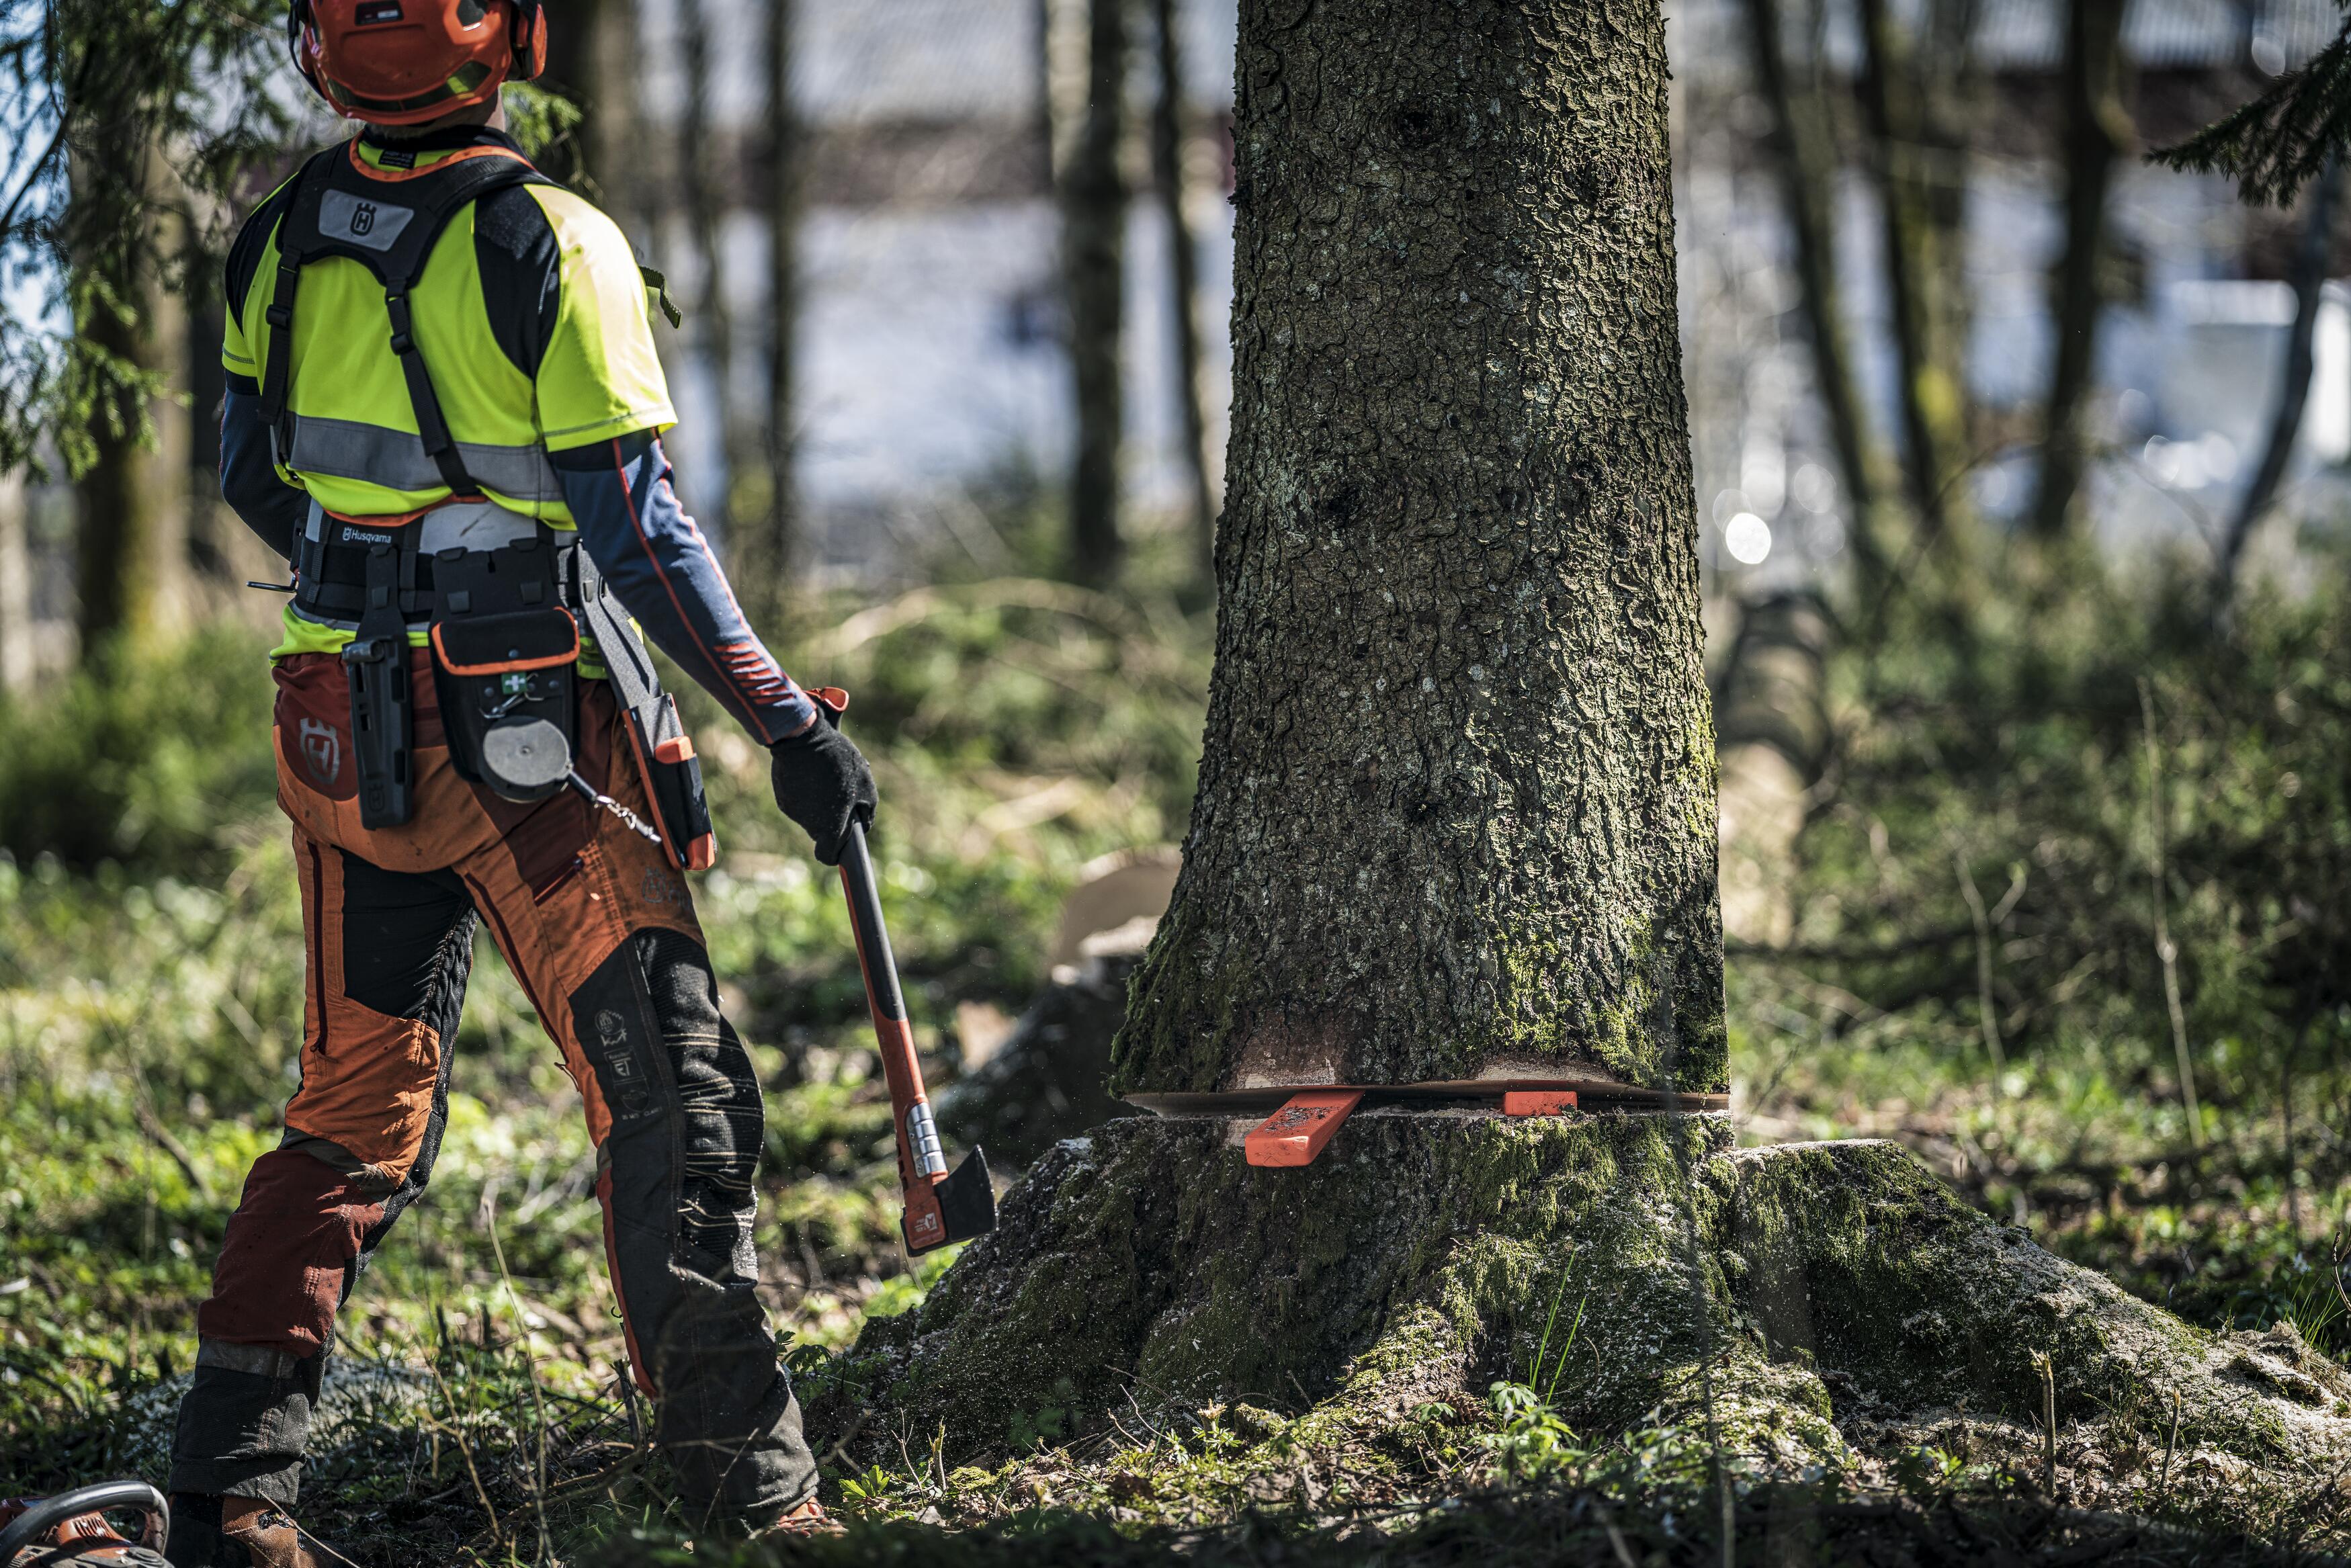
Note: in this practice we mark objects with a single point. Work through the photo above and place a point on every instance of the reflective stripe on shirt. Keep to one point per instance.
(396, 459)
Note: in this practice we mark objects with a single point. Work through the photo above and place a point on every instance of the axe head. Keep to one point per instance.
(967, 1199)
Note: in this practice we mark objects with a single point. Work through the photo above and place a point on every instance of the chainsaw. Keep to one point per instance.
(938, 1208)
(70, 1529)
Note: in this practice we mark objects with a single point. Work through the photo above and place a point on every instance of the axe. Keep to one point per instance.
(939, 1207)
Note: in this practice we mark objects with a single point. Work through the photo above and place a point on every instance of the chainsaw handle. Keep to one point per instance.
(52, 1511)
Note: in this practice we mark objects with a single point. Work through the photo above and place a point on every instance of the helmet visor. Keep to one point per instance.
(466, 81)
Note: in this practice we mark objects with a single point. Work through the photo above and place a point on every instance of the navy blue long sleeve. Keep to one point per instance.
(656, 561)
(249, 482)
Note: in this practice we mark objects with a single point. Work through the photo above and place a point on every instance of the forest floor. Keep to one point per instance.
(150, 1013)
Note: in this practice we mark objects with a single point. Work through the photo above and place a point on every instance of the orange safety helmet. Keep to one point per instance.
(404, 62)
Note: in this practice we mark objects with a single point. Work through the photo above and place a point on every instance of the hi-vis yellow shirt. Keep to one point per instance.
(534, 324)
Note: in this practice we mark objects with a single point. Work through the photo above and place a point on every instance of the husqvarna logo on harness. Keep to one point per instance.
(369, 222)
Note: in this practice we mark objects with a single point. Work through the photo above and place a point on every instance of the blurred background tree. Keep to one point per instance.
(135, 126)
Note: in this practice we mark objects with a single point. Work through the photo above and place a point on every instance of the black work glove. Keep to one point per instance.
(823, 784)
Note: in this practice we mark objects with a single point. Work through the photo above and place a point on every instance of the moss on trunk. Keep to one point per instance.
(1846, 1309)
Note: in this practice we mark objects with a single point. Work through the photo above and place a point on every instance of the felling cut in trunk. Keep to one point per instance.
(1454, 856)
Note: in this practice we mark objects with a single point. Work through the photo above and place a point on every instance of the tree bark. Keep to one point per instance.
(767, 542)
(2098, 130)
(1805, 161)
(1457, 812)
(1807, 1307)
(1094, 240)
(16, 644)
(2309, 281)
(1184, 283)
(1931, 382)
(704, 214)
(131, 555)
(1456, 808)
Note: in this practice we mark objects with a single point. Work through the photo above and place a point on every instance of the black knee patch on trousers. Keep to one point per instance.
(250, 1430)
(408, 953)
(687, 1134)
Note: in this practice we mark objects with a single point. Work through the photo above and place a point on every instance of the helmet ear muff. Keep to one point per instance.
(527, 25)
(299, 21)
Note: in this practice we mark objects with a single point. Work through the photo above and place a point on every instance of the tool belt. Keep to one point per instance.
(490, 589)
(503, 599)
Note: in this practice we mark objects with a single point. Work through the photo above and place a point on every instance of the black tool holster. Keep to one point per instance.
(377, 662)
(665, 756)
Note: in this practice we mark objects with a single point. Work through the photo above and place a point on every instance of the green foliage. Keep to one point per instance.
(2283, 139)
(94, 87)
(1530, 1439)
(2085, 770)
(156, 762)
(538, 118)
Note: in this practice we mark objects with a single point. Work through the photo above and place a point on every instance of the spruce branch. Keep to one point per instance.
(2279, 142)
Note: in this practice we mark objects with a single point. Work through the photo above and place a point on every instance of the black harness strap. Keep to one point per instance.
(390, 228)
(301, 219)
(430, 427)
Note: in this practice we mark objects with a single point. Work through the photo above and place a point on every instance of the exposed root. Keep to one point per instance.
(1155, 1309)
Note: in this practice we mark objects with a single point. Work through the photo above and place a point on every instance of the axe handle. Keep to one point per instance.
(922, 1163)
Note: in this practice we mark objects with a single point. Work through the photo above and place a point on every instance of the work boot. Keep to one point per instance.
(239, 1533)
(806, 1519)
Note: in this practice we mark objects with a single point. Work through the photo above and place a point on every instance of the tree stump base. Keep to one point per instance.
(1845, 1307)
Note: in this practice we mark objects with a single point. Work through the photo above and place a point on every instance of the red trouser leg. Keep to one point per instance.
(291, 1244)
(388, 955)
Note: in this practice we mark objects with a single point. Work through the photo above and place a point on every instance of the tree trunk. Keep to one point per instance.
(1949, 81)
(595, 59)
(1805, 1308)
(2098, 130)
(614, 138)
(2309, 281)
(131, 555)
(704, 217)
(1456, 812)
(16, 644)
(571, 71)
(1805, 160)
(1094, 242)
(765, 547)
(1184, 283)
(1931, 384)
